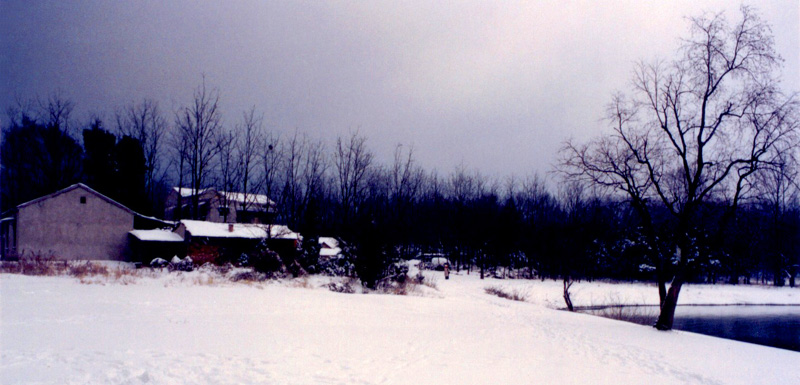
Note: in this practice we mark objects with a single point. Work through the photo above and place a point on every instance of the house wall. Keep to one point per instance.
(63, 227)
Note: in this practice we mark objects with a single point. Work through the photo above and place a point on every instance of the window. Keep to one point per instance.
(83, 200)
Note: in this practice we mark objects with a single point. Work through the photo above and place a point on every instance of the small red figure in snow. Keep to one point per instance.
(447, 270)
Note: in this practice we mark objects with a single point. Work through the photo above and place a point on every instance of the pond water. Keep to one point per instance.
(776, 326)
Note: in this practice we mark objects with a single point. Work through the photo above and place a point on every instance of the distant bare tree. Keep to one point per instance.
(694, 128)
(199, 124)
(352, 162)
(229, 167)
(251, 132)
(303, 176)
(56, 111)
(144, 122)
(778, 193)
(464, 185)
(271, 159)
(406, 176)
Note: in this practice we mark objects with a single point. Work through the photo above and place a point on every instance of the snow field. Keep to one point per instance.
(168, 329)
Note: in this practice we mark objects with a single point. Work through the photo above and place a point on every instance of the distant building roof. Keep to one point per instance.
(238, 197)
(187, 192)
(251, 198)
(156, 235)
(328, 242)
(326, 252)
(238, 230)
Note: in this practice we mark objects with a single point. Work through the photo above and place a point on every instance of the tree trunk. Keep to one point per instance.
(567, 299)
(661, 276)
(667, 315)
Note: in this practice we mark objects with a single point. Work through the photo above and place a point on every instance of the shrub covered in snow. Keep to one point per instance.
(177, 264)
(158, 263)
(264, 260)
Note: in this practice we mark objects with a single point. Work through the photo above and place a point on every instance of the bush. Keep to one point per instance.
(309, 255)
(374, 261)
(159, 263)
(178, 264)
(264, 260)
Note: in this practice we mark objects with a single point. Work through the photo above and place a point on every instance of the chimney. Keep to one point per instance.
(230, 227)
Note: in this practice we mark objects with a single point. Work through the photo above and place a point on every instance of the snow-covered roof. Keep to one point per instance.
(328, 242)
(156, 235)
(326, 252)
(238, 230)
(187, 192)
(238, 197)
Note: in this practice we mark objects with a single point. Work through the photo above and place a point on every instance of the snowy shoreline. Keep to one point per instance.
(188, 328)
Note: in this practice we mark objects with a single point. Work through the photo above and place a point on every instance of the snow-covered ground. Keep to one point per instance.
(192, 329)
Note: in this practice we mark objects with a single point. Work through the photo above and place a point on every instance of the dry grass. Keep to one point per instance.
(87, 272)
(347, 286)
(83, 269)
(35, 265)
(301, 282)
(642, 315)
(249, 277)
(512, 294)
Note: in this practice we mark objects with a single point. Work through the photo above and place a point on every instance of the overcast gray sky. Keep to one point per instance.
(495, 86)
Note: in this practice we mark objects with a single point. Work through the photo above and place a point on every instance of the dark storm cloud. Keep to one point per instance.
(495, 86)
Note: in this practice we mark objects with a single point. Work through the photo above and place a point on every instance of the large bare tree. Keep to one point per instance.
(692, 130)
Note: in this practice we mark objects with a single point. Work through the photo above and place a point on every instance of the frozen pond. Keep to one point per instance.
(777, 326)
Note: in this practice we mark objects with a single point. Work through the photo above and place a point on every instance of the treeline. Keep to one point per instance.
(504, 227)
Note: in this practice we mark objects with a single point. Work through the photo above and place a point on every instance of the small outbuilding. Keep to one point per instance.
(146, 245)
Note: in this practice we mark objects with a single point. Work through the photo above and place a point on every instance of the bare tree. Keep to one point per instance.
(199, 125)
(692, 129)
(56, 111)
(406, 177)
(271, 159)
(352, 162)
(229, 168)
(405, 183)
(464, 185)
(250, 131)
(179, 153)
(777, 193)
(145, 123)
